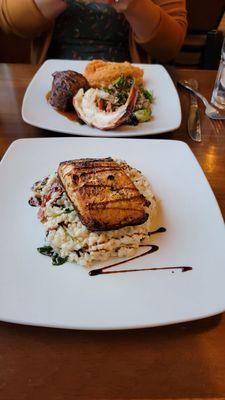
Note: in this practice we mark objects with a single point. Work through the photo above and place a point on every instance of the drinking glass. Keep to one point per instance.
(218, 95)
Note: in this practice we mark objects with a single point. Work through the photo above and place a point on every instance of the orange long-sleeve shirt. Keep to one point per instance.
(162, 44)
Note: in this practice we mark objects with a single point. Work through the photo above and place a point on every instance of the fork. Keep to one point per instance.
(210, 111)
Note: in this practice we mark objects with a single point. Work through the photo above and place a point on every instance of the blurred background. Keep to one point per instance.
(201, 49)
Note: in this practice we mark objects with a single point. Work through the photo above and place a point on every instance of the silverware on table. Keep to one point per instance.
(194, 127)
(210, 111)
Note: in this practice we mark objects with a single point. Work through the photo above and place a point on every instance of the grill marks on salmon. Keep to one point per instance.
(102, 193)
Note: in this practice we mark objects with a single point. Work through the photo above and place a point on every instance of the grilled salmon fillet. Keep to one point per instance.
(103, 195)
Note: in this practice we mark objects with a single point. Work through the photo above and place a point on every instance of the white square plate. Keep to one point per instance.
(32, 291)
(166, 108)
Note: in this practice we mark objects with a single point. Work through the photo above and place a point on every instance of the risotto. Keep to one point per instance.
(67, 239)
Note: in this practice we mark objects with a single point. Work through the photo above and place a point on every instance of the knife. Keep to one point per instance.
(194, 127)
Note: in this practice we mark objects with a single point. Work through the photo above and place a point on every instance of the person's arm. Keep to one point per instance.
(29, 18)
(51, 8)
(159, 26)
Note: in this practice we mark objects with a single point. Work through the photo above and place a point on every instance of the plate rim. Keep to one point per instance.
(113, 328)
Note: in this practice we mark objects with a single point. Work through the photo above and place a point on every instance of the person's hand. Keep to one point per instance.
(50, 9)
(119, 5)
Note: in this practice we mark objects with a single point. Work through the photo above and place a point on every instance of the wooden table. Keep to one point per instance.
(185, 361)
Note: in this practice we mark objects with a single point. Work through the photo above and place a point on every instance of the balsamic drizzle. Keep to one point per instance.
(153, 248)
(159, 230)
(101, 271)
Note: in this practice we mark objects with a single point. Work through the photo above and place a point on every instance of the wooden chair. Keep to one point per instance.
(14, 49)
(206, 28)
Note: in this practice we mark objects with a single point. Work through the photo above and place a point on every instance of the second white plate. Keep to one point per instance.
(37, 112)
(32, 291)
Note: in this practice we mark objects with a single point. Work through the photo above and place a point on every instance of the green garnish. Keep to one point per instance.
(67, 211)
(148, 95)
(64, 211)
(132, 120)
(143, 115)
(57, 260)
(124, 82)
(120, 82)
(48, 251)
(67, 233)
(121, 96)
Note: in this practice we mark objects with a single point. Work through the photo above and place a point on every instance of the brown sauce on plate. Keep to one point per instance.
(71, 115)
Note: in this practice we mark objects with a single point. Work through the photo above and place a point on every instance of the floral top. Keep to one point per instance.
(86, 32)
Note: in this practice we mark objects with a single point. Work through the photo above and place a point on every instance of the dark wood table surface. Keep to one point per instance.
(184, 361)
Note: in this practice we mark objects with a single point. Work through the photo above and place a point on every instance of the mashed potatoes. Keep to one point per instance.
(101, 73)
